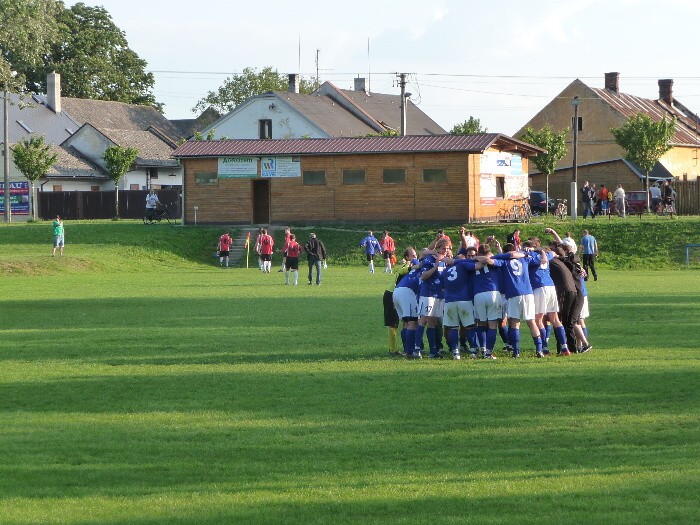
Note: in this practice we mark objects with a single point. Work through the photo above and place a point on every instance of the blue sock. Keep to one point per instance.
(543, 336)
(481, 336)
(585, 332)
(491, 335)
(454, 340)
(438, 335)
(432, 340)
(538, 343)
(410, 342)
(560, 334)
(548, 331)
(471, 337)
(503, 331)
(403, 336)
(514, 339)
(418, 345)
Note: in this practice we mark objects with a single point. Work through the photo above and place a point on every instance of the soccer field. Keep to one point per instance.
(204, 395)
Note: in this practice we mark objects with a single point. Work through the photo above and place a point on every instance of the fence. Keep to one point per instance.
(687, 197)
(76, 205)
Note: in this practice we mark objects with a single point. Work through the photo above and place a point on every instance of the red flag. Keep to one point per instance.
(247, 241)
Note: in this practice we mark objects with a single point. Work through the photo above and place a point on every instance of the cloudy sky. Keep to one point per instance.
(497, 61)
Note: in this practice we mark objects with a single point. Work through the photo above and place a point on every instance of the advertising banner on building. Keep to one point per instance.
(238, 167)
(275, 167)
(19, 198)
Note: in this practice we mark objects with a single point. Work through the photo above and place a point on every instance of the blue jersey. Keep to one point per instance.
(411, 280)
(539, 275)
(457, 281)
(584, 292)
(516, 277)
(488, 279)
(588, 244)
(371, 245)
(431, 287)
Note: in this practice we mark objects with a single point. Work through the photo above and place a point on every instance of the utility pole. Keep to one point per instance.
(404, 96)
(6, 154)
(574, 175)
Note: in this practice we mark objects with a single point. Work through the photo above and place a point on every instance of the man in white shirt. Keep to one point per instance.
(619, 197)
(152, 203)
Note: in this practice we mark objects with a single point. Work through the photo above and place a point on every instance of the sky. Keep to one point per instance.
(500, 62)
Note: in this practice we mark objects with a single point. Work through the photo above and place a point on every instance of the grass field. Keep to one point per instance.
(140, 383)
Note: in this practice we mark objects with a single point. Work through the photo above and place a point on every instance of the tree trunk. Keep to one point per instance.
(546, 194)
(116, 200)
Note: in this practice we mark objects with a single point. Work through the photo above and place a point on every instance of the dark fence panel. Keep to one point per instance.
(687, 197)
(76, 205)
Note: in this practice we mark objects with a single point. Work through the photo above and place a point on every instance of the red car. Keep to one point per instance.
(635, 203)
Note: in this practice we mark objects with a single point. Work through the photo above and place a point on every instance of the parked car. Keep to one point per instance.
(635, 203)
(537, 203)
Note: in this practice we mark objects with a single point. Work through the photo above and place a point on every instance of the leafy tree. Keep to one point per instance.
(119, 161)
(468, 127)
(94, 59)
(554, 143)
(33, 157)
(645, 141)
(27, 28)
(238, 88)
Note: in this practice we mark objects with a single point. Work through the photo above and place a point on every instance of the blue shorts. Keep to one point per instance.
(57, 241)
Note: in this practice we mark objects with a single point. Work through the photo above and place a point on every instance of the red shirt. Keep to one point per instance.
(294, 249)
(388, 244)
(225, 242)
(266, 244)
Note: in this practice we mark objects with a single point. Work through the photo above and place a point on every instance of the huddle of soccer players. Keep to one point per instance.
(471, 296)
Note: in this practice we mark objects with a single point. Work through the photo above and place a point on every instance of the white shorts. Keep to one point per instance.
(405, 302)
(487, 306)
(458, 313)
(431, 307)
(504, 306)
(584, 309)
(546, 300)
(521, 307)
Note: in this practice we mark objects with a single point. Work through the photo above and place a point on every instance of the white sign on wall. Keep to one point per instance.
(238, 167)
(275, 167)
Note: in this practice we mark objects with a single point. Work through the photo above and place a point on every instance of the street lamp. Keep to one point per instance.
(6, 148)
(574, 175)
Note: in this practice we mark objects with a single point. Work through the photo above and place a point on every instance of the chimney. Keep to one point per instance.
(293, 83)
(53, 91)
(612, 82)
(360, 84)
(666, 90)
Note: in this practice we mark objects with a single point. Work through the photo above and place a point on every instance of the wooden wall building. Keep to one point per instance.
(464, 178)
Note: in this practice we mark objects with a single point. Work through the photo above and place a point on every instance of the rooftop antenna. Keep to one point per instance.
(369, 70)
(299, 57)
(317, 80)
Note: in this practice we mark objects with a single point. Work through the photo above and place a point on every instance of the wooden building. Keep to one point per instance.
(465, 178)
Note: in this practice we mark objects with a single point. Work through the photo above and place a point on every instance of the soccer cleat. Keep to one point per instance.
(546, 353)
(280, 270)
(473, 355)
(489, 356)
(565, 353)
(462, 347)
(516, 356)
(586, 348)
(416, 355)
(456, 355)
(539, 354)
(434, 356)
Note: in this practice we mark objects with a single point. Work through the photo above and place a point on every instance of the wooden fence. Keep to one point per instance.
(687, 197)
(76, 205)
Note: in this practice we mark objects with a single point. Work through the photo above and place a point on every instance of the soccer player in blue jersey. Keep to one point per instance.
(459, 306)
(372, 247)
(405, 298)
(546, 304)
(488, 309)
(518, 291)
(431, 299)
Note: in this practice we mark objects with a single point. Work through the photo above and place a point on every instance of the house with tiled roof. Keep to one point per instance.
(599, 159)
(462, 178)
(327, 113)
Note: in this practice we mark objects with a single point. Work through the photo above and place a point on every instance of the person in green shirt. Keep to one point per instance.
(57, 236)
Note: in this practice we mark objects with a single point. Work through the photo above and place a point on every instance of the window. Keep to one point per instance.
(57, 187)
(353, 176)
(94, 188)
(265, 128)
(394, 176)
(500, 187)
(133, 187)
(310, 178)
(206, 179)
(435, 175)
(580, 123)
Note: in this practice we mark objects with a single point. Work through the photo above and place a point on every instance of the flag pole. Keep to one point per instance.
(247, 252)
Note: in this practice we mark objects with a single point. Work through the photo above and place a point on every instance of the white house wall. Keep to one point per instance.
(287, 123)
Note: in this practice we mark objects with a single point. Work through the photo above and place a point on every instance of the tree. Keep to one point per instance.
(554, 143)
(94, 59)
(645, 141)
(468, 127)
(119, 161)
(34, 158)
(27, 28)
(238, 88)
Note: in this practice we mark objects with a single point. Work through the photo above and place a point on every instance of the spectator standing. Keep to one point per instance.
(224, 248)
(569, 240)
(655, 195)
(372, 247)
(316, 257)
(58, 236)
(152, 204)
(619, 198)
(603, 198)
(669, 194)
(588, 193)
(514, 239)
(388, 251)
(589, 250)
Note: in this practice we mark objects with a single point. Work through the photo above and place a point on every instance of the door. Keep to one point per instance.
(261, 201)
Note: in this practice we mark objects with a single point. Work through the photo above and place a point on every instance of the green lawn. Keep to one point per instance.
(140, 383)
